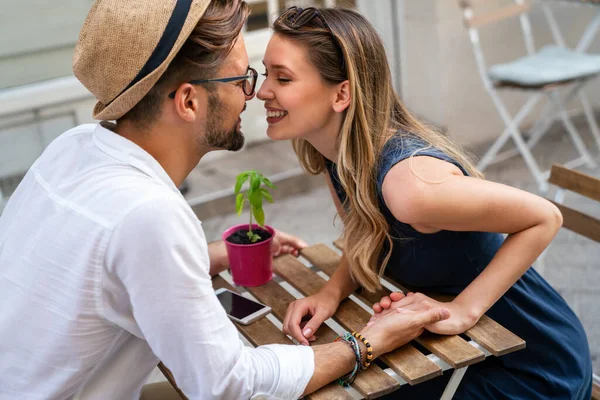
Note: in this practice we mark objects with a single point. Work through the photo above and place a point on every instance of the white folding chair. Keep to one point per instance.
(542, 73)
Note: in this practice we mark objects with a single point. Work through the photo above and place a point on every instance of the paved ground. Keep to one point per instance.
(571, 264)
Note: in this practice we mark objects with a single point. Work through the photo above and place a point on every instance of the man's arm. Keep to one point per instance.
(385, 333)
(159, 289)
(218, 257)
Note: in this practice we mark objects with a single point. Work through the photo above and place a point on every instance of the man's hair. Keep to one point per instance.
(199, 58)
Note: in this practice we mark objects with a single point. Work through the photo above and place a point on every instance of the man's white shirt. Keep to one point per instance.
(104, 271)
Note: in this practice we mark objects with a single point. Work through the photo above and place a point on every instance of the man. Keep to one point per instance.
(104, 268)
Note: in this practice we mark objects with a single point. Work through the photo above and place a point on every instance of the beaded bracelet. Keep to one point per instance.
(369, 358)
(349, 378)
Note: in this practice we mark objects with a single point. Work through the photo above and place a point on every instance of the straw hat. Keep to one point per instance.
(126, 45)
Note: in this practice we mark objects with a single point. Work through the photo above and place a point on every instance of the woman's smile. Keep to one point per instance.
(275, 115)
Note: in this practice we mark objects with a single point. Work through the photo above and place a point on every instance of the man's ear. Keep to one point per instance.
(187, 104)
(343, 97)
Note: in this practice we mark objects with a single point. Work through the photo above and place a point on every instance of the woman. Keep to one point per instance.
(415, 207)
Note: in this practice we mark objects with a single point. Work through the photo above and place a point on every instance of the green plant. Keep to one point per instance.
(254, 196)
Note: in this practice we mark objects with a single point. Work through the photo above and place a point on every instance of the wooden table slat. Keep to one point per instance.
(263, 332)
(333, 391)
(408, 362)
(371, 383)
(488, 333)
(453, 349)
(494, 337)
(327, 260)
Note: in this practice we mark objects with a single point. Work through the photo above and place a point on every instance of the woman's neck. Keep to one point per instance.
(325, 140)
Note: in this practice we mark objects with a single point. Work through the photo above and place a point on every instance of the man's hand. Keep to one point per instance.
(460, 319)
(392, 328)
(284, 243)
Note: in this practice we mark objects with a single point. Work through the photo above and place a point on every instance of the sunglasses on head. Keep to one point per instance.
(297, 17)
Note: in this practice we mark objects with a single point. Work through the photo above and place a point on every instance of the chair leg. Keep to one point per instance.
(577, 141)
(591, 118)
(519, 142)
(489, 156)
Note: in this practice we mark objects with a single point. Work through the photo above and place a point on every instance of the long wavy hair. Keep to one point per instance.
(374, 115)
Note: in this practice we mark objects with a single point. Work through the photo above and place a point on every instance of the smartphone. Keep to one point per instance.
(239, 308)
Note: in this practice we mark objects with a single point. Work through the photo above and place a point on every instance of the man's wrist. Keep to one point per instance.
(349, 356)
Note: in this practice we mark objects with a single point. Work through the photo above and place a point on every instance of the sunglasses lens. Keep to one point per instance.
(305, 16)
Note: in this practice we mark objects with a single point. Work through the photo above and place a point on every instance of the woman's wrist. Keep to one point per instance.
(471, 311)
(332, 291)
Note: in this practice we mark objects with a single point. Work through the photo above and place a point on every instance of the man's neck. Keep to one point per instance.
(165, 145)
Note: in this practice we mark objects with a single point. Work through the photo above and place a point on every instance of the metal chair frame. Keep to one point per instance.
(553, 110)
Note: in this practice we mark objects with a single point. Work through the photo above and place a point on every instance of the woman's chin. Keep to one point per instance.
(273, 134)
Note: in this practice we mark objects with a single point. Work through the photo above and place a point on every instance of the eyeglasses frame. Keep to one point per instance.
(251, 73)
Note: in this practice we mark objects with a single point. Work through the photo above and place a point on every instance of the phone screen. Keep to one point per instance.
(237, 306)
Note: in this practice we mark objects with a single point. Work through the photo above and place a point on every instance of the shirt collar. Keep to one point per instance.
(130, 153)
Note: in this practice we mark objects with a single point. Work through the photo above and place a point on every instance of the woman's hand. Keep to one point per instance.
(460, 318)
(318, 307)
(284, 243)
(392, 329)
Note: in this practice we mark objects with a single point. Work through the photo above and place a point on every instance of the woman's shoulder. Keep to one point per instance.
(403, 145)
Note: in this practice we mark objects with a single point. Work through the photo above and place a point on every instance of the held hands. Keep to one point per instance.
(284, 243)
(391, 329)
(459, 321)
(318, 308)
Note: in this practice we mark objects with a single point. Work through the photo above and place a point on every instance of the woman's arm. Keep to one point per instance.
(460, 203)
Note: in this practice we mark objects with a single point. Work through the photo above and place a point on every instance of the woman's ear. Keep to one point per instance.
(343, 98)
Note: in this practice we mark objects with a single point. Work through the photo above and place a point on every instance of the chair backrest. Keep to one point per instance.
(473, 20)
(585, 185)
(501, 13)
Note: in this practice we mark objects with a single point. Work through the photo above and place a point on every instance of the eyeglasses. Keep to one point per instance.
(248, 86)
(297, 17)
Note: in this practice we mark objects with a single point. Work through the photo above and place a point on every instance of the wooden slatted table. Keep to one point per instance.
(407, 364)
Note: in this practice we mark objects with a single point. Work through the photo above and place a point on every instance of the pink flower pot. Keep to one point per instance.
(251, 264)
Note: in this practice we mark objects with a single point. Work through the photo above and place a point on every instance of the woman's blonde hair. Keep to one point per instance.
(374, 115)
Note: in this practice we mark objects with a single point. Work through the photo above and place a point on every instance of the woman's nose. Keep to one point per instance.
(263, 92)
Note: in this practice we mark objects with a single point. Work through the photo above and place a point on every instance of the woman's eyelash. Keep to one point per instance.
(282, 80)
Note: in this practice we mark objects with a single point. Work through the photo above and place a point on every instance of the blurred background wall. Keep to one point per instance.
(430, 57)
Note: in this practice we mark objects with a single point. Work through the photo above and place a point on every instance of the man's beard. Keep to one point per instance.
(216, 135)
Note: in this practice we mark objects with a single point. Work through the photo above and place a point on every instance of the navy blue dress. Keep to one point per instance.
(556, 363)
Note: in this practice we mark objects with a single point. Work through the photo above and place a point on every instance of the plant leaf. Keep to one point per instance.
(239, 203)
(268, 183)
(241, 178)
(266, 195)
(255, 199)
(259, 215)
(254, 181)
